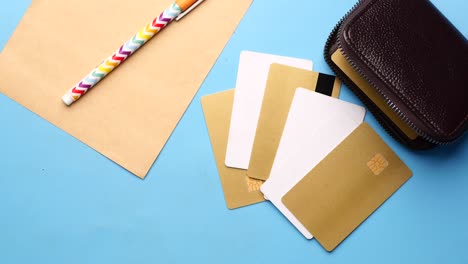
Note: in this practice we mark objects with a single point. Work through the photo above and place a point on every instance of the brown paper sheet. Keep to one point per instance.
(239, 190)
(129, 115)
(347, 186)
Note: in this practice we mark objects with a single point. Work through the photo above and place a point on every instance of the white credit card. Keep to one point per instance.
(316, 124)
(252, 77)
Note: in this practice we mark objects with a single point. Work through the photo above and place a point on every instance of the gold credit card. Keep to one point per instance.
(346, 187)
(279, 92)
(239, 190)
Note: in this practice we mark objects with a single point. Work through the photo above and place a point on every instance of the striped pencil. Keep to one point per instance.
(176, 10)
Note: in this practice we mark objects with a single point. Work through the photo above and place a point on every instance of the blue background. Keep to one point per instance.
(61, 202)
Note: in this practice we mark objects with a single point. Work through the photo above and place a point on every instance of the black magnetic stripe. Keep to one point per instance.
(325, 84)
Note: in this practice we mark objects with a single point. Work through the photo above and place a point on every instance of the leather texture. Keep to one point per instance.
(416, 58)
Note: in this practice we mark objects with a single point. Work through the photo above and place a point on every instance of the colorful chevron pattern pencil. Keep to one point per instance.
(176, 11)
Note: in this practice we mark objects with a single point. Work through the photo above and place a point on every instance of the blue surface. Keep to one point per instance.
(54, 211)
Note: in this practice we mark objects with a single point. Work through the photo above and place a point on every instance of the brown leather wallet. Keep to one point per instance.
(409, 66)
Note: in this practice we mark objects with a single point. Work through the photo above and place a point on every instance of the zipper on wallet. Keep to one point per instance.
(337, 30)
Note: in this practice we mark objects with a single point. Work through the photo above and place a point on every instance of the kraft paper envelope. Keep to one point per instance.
(347, 186)
(239, 190)
(316, 124)
(128, 116)
(279, 92)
